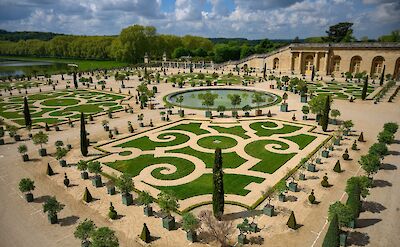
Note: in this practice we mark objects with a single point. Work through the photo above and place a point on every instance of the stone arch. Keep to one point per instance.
(396, 73)
(336, 63)
(355, 64)
(377, 65)
(308, 62)
(275, 63)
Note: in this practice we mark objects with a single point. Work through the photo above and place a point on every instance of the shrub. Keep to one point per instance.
(337, 168)
(84, 230)
(344, 213)
(112, 214)
(363, 182)
(145, 235)
(379, 149)
(311, 197)
(391, 127)
(346, 155)
(26, 185)
(87, 197)
(386, 137)
(291, 223)
(324, 181)
(332, 235)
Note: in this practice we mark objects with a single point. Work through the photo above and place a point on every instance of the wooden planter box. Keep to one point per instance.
(168, 223)
(52, 219)
(234, 113)
(96, 181)
(311, 168)
(343, 239)
(303, 99)
(258, 112)
(1, 141)
(169, 112)
(63, 163)
(242, 239)
(25, 157)
(284, 108)
(325, 154)
(84, 175)
(17, 138)
(282, 198)
(293, 186)
(208, 114)
(318, 161)
(111, 190)
(42, 152)
(302, 176)
(337, 142)
(181, 113)
(148, 211)
(269, 210)
(247, 114)
(191, 236)
(127, 199)
(29, 197)
(304, 117)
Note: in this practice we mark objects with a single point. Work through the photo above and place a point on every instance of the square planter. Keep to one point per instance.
(325, 154)
(96, 181)
(181, 113)
(330, 148)
(111, 190)
(52, 219)
(282, 198)
(305, 117)
(311, 168)
(208, 114)
(191, 236)
(162, 119)
(352, 224)
(84, 175)
(148, 211)
(168, 223)
(346, 132)
(303, 99)
(269, 210)
(17, 138)
(63, 163)
(234, 113)
(25, 157)
(293, 186)
(337, 142)
(253, 227)
(1, 141)
(29, 197)
(343, 239)
(221, 114)
(169, 112)
(258, 112)
(127, 199)
(57, 128)
(241, 239)
(284, 108)
(318, 161)
(302, 176)
(42, 152)
(247, 114)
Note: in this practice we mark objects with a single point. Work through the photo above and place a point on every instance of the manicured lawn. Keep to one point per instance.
(213, 142)
(270, 162)
(134, 166)
(144, 143)
(229, 160)
(235, 130)
(60, 102)
(190, 127)
(233, 184)
(264, 128)
(302, 140)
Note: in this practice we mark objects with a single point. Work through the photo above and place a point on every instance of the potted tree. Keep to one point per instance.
(190, 223)
(235, 101)
(280, 189)
(284, 105)
(125, 185)
(26, 185)
(105, 125)
(334, 114)
(13, 132)
(180, 100)
(23, 149)
(60, 154)
(348, 124)
(258, 98)
(146, 199)
(292, 185)
(130, 127)
(41, 138)
(305, 109)
(208, 100)
(95, 167)
(169, 106)
(311, 166)
(325, 152)
(162, 113)
(52, 207)
(221, 110)
(269, 208)
(82, 166)
(168, 203)
(246, 110)
(83, 232)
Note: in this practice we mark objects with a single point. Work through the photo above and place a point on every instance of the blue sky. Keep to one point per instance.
(253, 19)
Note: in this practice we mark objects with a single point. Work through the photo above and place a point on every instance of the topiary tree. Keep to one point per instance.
(112, 213)
(362, 182)
(353, 201)
(87, 197)
(83, 136)
(291, 223)
(361, 137)
(386, 137)
(337, 168)
(146, 199)
(258, 98)
(379, 149)
(370, 163)
(95, 167)
(52, 207)
(26, 185)
(218, 185)
(104, 237)
(84, 230)
(364, 89)
(145, 235)
(40, 138)
(167, 202)
(235, 101)
(391, 127)
(82, 166)
(23, 149)
(324, 181)
(332, 235)
(343, 212)
(27, 114)
(325, 114)
(49, 170)
(311, 197)
(335, 113)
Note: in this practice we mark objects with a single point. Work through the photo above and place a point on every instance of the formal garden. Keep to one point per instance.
(179, 157)
(60, 106)
(340, 90)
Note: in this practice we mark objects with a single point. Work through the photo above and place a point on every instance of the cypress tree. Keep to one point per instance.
(27, 114)
(382, 76)
(75, 81)
(325, 115)
(364, 90)
(353, 200)
(332, 235)
(361, 137)
(291, 223)
(218, 186)
(87, 197)
(265, 70)
(84, 141)
(312, 74)
(145, 235)
(49, 170)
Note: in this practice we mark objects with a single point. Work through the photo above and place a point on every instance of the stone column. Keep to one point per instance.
(326, 63)
(300, 62)
(315, 61)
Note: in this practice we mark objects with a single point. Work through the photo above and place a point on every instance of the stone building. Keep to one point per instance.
(328, 59)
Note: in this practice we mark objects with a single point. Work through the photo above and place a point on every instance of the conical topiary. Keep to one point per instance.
(361, 137)
(87, 197)
(49, 170)
(291, 223)
(145, 235)
(269, 114)
(337, 167)
(311, 197)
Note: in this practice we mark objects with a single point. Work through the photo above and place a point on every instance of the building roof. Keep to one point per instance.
(375, 45)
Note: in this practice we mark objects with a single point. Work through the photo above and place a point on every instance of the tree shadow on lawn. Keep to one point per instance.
(362, 223)
(388, 167)
(373, 207)
(381, 183)
(70, 220)
(358, 239)
(243, 214)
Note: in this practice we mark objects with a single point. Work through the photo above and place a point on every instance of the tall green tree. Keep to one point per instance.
(365, 88)
(84, 140)
(353, 200)
(27, 114)
(332, 235)
(325, 115)
(218, 186)
(341, 32)
(382, 79)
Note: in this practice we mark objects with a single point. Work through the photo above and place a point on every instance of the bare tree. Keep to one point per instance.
(219, 230)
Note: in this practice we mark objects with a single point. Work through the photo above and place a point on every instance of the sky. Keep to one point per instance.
(252, 19)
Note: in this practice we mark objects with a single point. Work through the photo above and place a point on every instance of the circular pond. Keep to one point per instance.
(193, 98)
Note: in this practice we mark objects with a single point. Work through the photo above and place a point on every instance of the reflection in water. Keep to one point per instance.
(17, 67)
